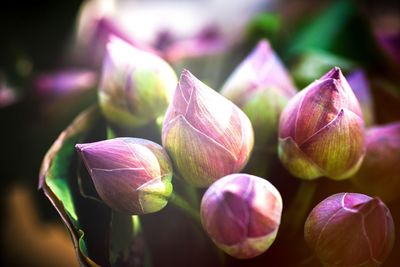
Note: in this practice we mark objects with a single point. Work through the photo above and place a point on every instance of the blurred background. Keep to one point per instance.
(50, 60)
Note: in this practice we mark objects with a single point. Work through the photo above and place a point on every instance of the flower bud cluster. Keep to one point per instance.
(207, 140)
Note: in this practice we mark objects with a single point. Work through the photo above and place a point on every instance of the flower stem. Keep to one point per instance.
(190, 192)
(297, 211)
(184, 206)
(136, 225)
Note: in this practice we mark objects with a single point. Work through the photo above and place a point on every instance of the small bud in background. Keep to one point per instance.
(379, 173)
(241, 213)
(136, 86)
(63, 82)
(131, 175)
(8, 96)
(206, 135)
(387, 34)
(349, 229)
(321, 130)
(261, 87)
(359, 83)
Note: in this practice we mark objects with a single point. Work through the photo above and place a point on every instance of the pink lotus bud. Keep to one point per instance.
(241, 213)
(379, 173)
(359, 83)
(136, 86)
(261, 87)
(350, 229)
(206, 135)
(321, 131)
(130, 175)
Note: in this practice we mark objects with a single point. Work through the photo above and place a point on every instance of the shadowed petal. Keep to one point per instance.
(122, 185)
(287, 122)
(350, 229)
(242, 214)
(220, 207)
(379, 172)
(298, 163)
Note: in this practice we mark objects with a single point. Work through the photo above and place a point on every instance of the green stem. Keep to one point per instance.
(190, 192)
(297, 212)
(184, 206)
(136, 225)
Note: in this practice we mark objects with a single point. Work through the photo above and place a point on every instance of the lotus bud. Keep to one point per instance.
(349, 229)
(321, 130)
(136, 86)
(206, 135)
(379, 173)
(131, 175)
(261, 87)
(359, 83)
(241, 213)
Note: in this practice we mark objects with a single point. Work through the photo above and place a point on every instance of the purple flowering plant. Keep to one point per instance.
(167, 171)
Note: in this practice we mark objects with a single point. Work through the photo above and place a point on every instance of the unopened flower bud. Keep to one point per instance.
(131, 175)
(241, 213)
(321, 130)
(261, 87)
(349, 229)
(379, 173)
(136, 86)
(206, 135)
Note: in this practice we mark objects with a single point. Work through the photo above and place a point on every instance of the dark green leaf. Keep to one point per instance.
(321, 32)
(55, 175)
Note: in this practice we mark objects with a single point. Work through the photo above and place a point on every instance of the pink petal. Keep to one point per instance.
(338, 148)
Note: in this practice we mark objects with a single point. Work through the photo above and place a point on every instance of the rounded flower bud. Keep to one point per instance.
(261, 87)
(379, 173)
(136, 86)
(350, 229)
(131, 175)
(321, 130)
(206, 135)
(241, 213)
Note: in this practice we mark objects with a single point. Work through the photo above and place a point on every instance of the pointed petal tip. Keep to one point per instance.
(334, 73)
(83, 147)
(80, 147)
(263, 45)
(187, 78)
(187, 83)
(367, 206)
(186, 74)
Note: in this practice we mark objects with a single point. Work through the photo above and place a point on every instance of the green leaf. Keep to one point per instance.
(55, 174)
(322, 31)
(265, 25)
(312, 64)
